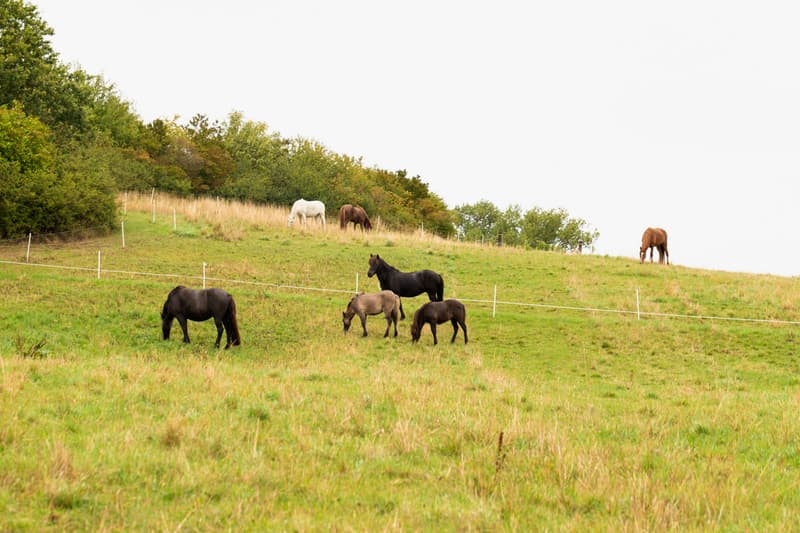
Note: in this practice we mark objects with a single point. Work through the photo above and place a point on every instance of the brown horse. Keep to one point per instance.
(362, 305)
(438, 313)
(355, 214)
(654, 238)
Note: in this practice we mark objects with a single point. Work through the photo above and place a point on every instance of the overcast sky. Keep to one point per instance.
(628, 114)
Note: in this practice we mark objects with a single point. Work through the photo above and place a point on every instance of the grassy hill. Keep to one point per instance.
(608, 422)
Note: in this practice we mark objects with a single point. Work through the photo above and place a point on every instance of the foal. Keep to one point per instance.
(438, 313)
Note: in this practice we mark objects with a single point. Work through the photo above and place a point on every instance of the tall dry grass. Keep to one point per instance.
(229, 219)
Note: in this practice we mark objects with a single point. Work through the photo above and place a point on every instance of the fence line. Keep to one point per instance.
(493, 302)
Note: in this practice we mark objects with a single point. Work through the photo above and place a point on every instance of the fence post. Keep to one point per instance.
(204, 275)
(494, 302)
(98, 264)
(174, 220)
(638, 314)
(28, 253)
(123, 234)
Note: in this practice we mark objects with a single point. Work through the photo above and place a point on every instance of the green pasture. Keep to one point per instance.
(608, 423)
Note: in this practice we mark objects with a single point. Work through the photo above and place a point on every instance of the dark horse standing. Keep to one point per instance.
(654, 238)
(406, 284)
(438, 313)
(199, 305)
(355, 214)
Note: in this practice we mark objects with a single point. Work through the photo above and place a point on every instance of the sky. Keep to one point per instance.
(627, 114)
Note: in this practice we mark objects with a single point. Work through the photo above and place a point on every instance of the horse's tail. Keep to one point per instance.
(343, 216)
(440, 290)
(232, 324)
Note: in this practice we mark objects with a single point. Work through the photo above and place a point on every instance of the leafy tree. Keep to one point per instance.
(478, 221)
(551, 229)
(42, 191)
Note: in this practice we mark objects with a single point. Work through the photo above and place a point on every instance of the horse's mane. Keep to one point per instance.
(386, 265)
(175, 290)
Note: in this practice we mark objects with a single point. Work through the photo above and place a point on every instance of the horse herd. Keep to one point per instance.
(305, 209)
(198, 305)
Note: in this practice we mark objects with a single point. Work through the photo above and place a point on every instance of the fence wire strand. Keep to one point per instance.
(493, 302)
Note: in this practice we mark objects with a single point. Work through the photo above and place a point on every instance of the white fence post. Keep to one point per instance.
(204, 275)
(98, 264)
(494, 302)
(123, 234)
(28, 253)
(174, 220)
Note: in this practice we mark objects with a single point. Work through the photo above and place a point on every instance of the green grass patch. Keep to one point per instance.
(608, 422)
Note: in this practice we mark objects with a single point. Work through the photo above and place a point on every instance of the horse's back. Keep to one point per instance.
(200, 304)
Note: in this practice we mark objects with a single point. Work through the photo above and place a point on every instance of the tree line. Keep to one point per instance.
(69, 143)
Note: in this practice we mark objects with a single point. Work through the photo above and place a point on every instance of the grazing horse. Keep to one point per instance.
(199, 305)
(438, 313)
(385, 302)
(306, 208)
(355, 214)
(406, 283)
(654, 238)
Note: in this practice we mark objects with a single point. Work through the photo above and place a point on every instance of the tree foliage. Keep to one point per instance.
(69, 142)
(537, 228)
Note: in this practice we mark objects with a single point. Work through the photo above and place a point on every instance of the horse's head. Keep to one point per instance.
(348, 314)
(375, 262)
(415, 331)
(346, 320)
(290, 219)
(166, 324)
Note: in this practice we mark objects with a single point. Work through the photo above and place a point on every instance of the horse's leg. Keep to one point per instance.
(433, 330)
(218, 323)
(184, 327)
(227, 325)
(464, 328)
(651, 254)
(455, 329)
(402, 313)
(388, 323)
(363, 317)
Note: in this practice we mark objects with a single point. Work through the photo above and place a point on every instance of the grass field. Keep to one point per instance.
(608, 423)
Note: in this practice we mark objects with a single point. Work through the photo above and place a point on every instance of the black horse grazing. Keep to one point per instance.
(406, 284)
(438, 313)
(199, 305)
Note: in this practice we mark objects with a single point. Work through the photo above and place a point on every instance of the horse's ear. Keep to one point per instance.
(378, 256)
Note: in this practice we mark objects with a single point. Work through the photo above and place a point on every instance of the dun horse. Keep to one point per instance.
(199, 305)
(355, 214)
(406, 283)
(385, 302)
(438, 313)
(654, 238)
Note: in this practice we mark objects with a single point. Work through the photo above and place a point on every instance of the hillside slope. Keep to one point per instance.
(564, 411)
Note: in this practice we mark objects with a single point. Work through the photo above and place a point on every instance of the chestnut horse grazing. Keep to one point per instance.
(199, 305)
(438, 313)
(654, 238)
(355, 214)
(385, 302)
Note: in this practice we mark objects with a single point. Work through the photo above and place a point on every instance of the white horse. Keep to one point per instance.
(305, 208)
